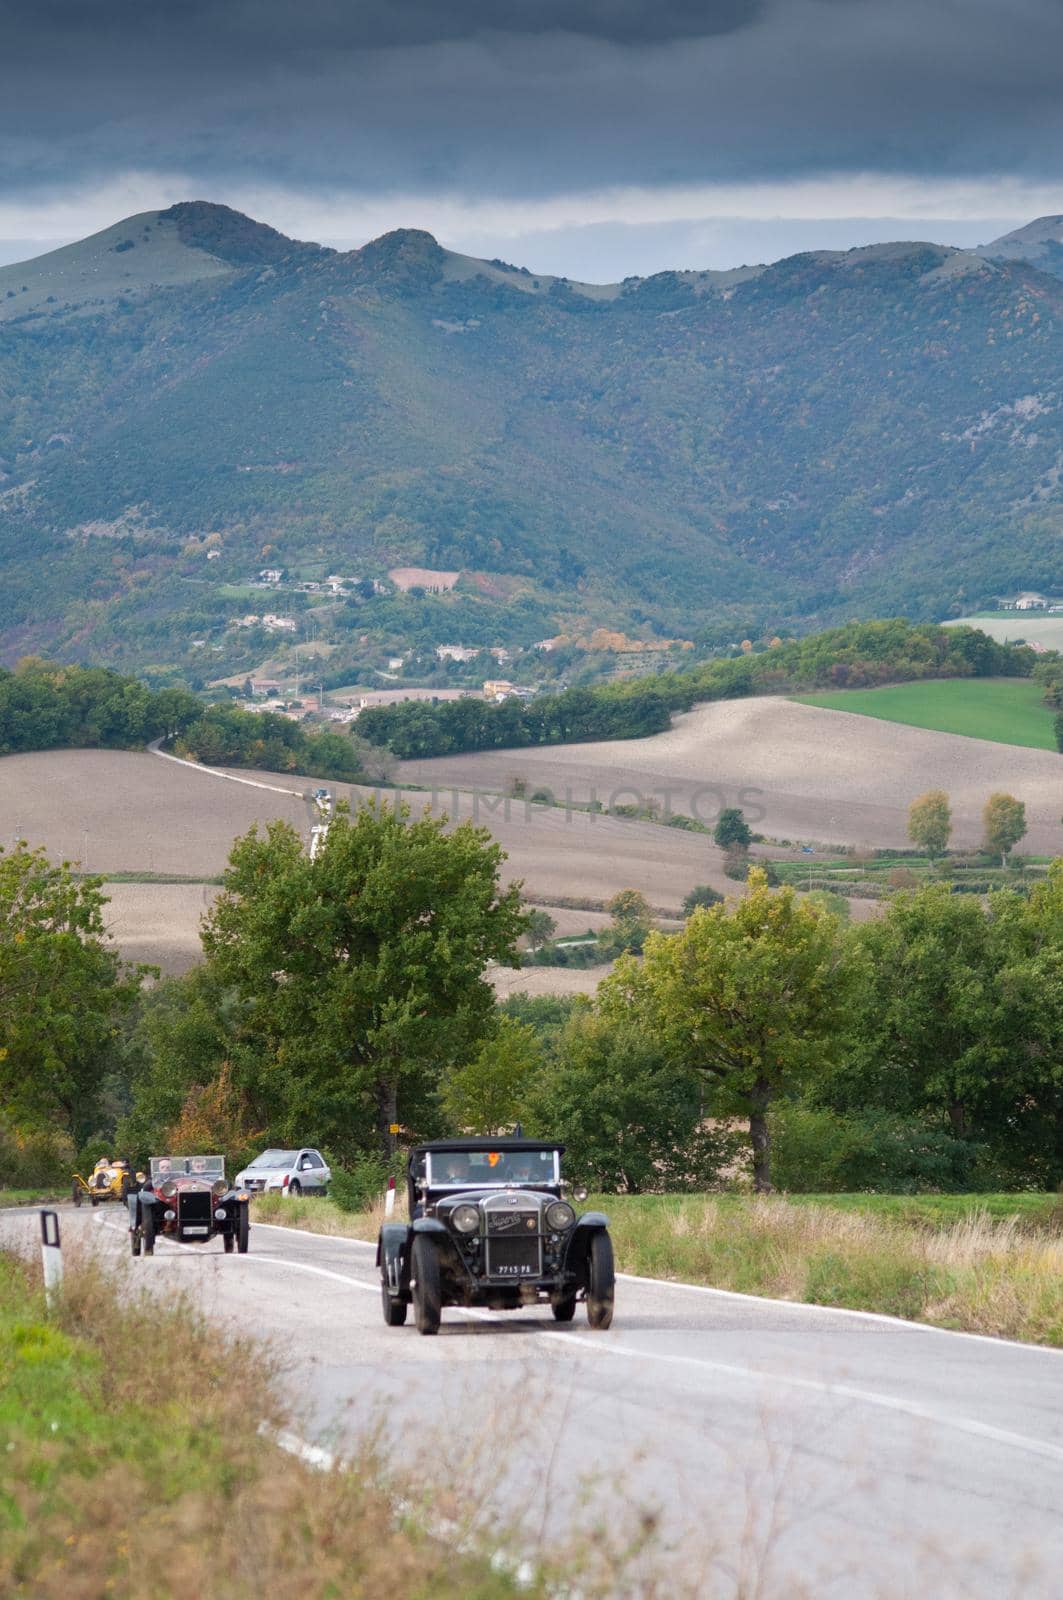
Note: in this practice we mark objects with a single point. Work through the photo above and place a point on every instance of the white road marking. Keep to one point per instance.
(601, 1347)
(750, 1299)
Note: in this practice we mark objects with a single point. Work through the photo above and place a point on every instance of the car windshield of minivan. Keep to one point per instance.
(274, 1158)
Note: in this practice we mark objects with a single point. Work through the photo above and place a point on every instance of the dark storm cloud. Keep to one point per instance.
(525, 98)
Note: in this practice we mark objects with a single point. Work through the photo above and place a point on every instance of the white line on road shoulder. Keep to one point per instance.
(749, 1299)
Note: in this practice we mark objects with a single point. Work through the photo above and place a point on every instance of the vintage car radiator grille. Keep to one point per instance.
(195, 1205)
(514, 1257)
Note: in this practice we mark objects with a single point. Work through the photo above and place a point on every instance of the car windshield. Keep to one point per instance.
(484, 1168)
(208, 1167)
(274, 1158)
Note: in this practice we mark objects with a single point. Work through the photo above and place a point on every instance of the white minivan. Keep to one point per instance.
(291, 1172)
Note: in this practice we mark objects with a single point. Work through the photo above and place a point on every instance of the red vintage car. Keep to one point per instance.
(187, 1198)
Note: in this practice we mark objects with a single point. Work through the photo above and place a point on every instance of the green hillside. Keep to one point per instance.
(1005, 710)
(695, 455)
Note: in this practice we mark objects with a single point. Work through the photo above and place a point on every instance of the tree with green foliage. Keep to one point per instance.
(923, 1027)
(930, 822)
(63, 994)
(732, 830)
(541, 927)
(1026, 1100)
(1004, 821)
(631, 1117)
(186, 1031)
(631, 916)
(701, 895)
(364, 969)
(751, 994)
(1057, 728)
(485, 1094)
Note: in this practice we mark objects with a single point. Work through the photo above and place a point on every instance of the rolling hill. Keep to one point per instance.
(837, 434)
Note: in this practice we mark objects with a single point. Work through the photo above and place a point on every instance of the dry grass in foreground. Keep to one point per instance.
(135, 1465)
(975, 1267)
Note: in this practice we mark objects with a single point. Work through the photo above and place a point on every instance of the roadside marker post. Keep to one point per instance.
(389, 1198)
(51, 1256)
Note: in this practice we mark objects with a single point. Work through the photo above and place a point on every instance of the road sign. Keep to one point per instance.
(393, 1127)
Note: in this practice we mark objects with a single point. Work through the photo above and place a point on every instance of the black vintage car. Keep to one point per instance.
(188, 1199)
(489, 1227)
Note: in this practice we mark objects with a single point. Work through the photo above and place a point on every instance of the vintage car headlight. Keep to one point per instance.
(219, 1187)
(559, 1216)
(168, 1189)
(465, 1218)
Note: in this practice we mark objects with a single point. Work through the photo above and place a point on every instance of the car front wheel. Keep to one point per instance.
(394, 1310)
(601, 1281)
(427, 1287)
(564, 1310)
(243, 1227)
(148, 1229)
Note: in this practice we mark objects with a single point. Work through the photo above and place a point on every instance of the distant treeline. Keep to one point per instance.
(859, 655)
(44, 706)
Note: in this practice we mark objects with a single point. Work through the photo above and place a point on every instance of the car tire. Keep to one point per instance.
(243, 1227)
(394, 1310)
(147, 1228)
(564, 1310)
(134, 1240)
(601, 1281)
(228, 1241)
(295, 1188)
(78, 1196)
(93, 1200)
(427, 1285)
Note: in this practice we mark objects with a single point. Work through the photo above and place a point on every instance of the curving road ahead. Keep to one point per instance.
(786, 1450)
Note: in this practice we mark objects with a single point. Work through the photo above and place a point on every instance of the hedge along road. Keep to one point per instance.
(787, 1449)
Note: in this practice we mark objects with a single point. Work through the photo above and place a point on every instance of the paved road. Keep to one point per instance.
(787, 1450)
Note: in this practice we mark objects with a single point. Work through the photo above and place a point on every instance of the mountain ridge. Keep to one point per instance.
(839, 433)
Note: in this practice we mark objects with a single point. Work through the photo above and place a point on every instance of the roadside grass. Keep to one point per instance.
(31, 1197)
(989, 1263)
(1003, 710)
(981, 1264)
(136, 1462)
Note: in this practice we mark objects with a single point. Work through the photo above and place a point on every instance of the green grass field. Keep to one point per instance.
(1004, 710)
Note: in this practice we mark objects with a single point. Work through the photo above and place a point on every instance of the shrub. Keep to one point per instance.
(42, 1159)
(360, 1185)
(816, 1151)
(701, 895)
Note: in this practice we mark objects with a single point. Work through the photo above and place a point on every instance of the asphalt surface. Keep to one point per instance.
(783, 1450)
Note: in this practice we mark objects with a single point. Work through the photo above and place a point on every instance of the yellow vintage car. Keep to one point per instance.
(108, 1180)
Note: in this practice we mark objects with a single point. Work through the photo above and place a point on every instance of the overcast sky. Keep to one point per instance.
(593, 137)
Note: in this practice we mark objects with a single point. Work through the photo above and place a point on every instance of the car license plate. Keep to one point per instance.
(196, 1227)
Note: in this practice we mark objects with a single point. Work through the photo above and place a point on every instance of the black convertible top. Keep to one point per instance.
(483, 1142)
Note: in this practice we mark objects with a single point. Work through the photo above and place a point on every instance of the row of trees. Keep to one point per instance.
(930, 823)
(341, 999)
(858, 655)
(45, 706)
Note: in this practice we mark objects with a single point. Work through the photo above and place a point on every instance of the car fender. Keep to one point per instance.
(392, 1254)
(579, 1240)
